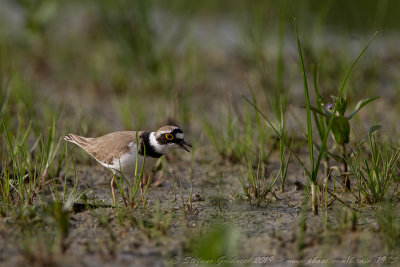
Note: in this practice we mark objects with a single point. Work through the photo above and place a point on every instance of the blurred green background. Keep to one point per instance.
(107, 65)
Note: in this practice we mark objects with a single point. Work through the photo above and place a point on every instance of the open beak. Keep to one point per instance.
(182, 145)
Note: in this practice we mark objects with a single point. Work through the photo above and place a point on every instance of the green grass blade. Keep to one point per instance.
(260, 133)
(307, 100)
(296, 156)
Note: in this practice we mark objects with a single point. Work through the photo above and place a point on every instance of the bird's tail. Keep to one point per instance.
(78, 140)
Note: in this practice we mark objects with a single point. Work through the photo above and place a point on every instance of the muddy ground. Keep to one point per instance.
(268, 234)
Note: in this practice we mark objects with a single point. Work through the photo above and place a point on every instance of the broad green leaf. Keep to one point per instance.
(361, 104)
(341, 130)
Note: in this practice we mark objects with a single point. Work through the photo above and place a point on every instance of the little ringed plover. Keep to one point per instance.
(117, 151)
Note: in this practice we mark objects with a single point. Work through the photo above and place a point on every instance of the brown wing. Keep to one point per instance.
(107, 147)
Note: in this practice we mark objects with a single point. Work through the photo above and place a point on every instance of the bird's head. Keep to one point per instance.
(167, 138)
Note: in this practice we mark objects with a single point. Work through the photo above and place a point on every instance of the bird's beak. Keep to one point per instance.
(182, 145)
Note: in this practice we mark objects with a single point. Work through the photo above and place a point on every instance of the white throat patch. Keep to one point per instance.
(156, 146)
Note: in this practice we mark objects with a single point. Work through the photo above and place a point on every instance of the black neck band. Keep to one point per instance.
(146, 147)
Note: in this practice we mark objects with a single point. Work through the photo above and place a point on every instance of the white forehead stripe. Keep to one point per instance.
(179, 135)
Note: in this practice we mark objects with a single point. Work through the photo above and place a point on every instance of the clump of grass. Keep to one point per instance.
(130, 191)
(284, 162)
(155, 224)
(376, 172)
(28, 169)
(187, 203)
(182, 197)
(261, 137)
(312, 173)
(69, 203)
(153, 221)
(43, 232)
(275, 93)
(283, 159)
(230, 142)
(256, 186)
(340, 127)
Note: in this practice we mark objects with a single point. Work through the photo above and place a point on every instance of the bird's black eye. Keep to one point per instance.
(169, 136)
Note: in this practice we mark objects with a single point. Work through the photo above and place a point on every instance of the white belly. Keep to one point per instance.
(127, 163)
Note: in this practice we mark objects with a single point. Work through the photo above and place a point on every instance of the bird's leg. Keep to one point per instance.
(157, 178)
(143, 183)
(113, 191)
